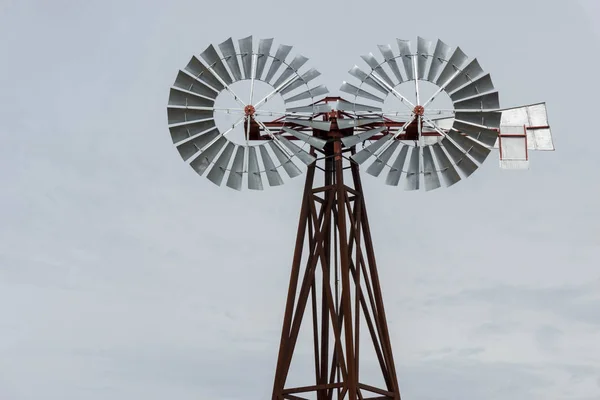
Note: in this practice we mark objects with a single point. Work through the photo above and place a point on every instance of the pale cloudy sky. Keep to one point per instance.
(124, 275)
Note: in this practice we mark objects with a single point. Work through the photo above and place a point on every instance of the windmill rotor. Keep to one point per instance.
(245, 148)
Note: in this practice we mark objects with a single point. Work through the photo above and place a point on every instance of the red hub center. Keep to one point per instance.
(419, 110)
(249, 110)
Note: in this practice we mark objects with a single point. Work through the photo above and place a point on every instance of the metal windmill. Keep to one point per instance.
(427, 115)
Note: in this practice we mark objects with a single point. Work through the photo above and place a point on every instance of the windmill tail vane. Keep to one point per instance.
(421, 115)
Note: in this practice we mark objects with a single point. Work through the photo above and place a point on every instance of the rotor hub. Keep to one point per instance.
(249, 110)
(419, 110)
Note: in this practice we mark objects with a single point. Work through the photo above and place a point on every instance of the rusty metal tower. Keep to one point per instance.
(428, 116)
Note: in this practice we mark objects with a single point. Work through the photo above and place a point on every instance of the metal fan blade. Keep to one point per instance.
(228, 50)
(342, 105)
(272, 174)
(371, 149)
(406, 55)
(388, 55)
(285, 161)
(213, 59)
(348, 88)
(294, 66)
(264, 50)
(280, 55)
(179, 115)
(440, 55)
(312, 109)
(412, 175)
(423, 52)
(353, 140)
(311, 140)
(488, 101)
(188, 149)
(186, 82)
(472, 148)
(448, 171)
(237, 169)
(364, 77)
(456, 63)
(254, 178)
(479, 86)
(378, 69)
(393, 176)
(310, 93)
(305, 157)
(430, 175)
(381, 161)
(304, 79)
(490, 120)
(461, 160)
(218, 170)
(203, 161)
(344, 123)
(182, 132)
(196, 68)
(485, 136)
(246, 51)
(179, 98)
(320, 125)
(470, 73)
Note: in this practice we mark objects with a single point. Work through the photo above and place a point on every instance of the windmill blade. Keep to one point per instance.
(430, 175)
(412, 175)
(377, 69)
(310, 93)
(304, 79)
(201, 73)
(353, 140)
(364, 77)
(423, 49)
(187, 115)
(246, 50)
(440, 55)
(203, 161)
(305, 157)
(191, 84)
(212, 58)
(286, 162)
(388, 55)
(312, 109)
(477, 87)
(345, 123)
(294, 66)
(456, 63)
(370, 150)
(218, 170)
(393, 177)
(190, 148)
(490, 120)
(342, 105)
(178, 97)
(449, 173)
(280, 55)
(381, 161)
(488, 102)
(183, 132)
(320, 125)
(309, 139)
(406, 56)
(228, 50)
(351, 89)
(264, 50)
(485, 136)
(470, 147)
(237, 169)
(470, 73)
(461, 160)
(273, 176)
(254, 178)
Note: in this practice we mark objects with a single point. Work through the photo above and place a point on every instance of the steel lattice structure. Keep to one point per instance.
(334, 272)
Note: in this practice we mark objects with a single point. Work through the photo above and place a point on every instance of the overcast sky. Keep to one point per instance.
(125, 275)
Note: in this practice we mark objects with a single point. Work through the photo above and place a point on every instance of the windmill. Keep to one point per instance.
(424, 116)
